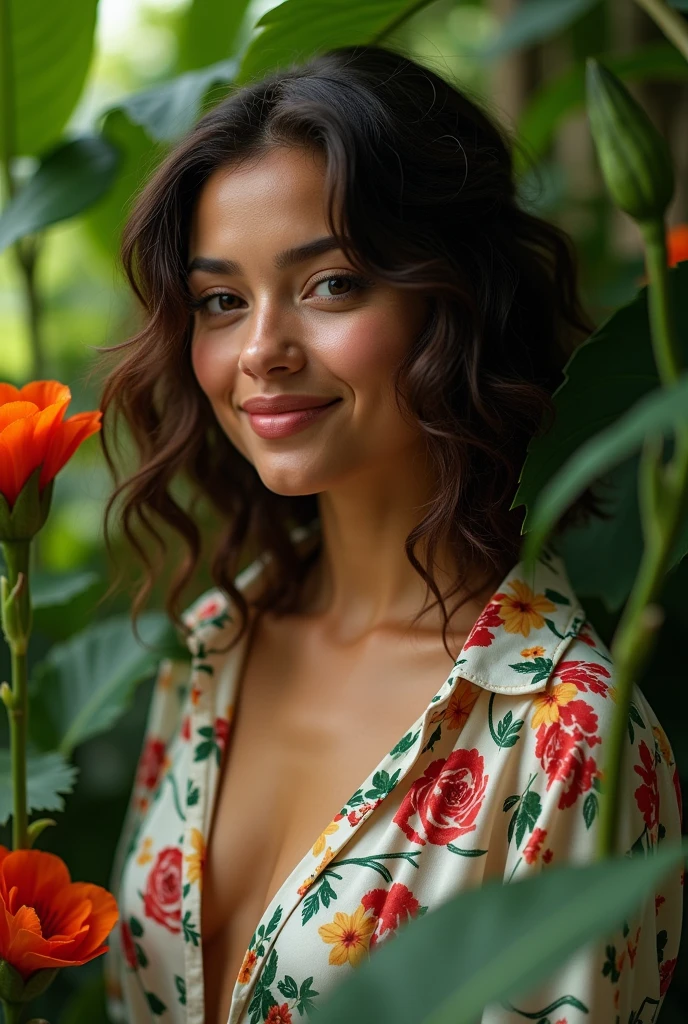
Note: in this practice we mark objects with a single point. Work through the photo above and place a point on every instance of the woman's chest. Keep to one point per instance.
(311, 725)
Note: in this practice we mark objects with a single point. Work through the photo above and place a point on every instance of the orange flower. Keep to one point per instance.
(461, 704)
(677, 244)
(46, 920)
(246, 968)
(33, 433)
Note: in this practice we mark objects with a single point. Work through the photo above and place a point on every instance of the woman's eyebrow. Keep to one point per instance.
(284, 259)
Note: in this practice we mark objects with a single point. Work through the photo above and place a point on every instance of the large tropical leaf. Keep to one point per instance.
(656, 413)
(297, 29)
(210, 32)
(85, 684)
(562, 96)
(439, 969)
(49, 778)
(64, 604)
(167, 111)
(46, 51)
(531, 22)
(69, 179)
(604, 378)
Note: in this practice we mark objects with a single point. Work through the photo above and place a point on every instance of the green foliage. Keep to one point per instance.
(47, 51)
(69, 179)
(210, 32)
(63, 603)
(565, 95)
(607, 376)
(532, 21)
(298, 29)
(85, 684)
(439, 971)
(49, 777)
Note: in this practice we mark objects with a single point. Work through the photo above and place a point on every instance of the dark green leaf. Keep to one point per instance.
(590, 809)
(270, 969)
(297, 29)
(510, 801)
(288, 988)
(157, 1006)
(49, 49)
(439, 972)
(68, 181)
(136, 927)
(210, 32)
(49, 776)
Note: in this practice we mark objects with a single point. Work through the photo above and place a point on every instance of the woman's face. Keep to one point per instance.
(270, 325)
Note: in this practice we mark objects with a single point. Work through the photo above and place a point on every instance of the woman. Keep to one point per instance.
(352, 332)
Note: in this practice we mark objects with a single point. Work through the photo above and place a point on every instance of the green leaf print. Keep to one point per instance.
(510, 801)
(192, 793)
(141, 958)
(554, 595)
(190, 933)
(539, 1015)
(590, 808)
(270, 969)
(135, 927)
(306, 993)
(404, 744)
(181, 989)
(157, 1006)
(204, 750)
(506, 734)
(634, 716)
(288, 987)
(528, 814)
(311, 904)
(274, 921)
(541, 668)
(435, 738)
(383, 784)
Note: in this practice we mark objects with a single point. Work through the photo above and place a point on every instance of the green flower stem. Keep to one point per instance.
(669, 21)
(663, 499)
(16, 616)
(14, 1012)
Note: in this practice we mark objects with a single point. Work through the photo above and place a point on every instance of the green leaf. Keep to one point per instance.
(288, 987)
(50, 47)
(441, 973)
(157, 1006)
(68, 180)
(64, 604)
(167, 111)
(210, 32)
(86, 684)
(48, 776)
(562, 96)
(656, 413)
(531, 22)
(297, 29)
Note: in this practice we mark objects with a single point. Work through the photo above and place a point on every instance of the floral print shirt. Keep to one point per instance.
(499, 777)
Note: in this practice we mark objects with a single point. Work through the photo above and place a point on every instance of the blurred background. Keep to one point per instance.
(62, 293)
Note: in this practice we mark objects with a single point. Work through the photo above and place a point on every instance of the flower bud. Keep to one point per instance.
(634, 158)
(29, 511)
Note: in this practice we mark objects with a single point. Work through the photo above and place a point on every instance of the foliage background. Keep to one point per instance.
(527, 76)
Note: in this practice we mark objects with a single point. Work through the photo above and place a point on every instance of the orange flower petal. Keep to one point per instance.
(104, 913)
(11, 411)
(46, 392)
(8, 393)
(23, 446)
(38, 876)
(65, 442)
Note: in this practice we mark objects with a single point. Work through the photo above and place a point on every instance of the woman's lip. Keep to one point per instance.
(282, 424)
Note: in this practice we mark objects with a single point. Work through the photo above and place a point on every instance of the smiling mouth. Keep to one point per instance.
(272, 425)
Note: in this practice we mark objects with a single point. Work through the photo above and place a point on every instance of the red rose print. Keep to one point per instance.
(562, 755)
(186, 728)
(647, 795)
(150, 763)
(128, 947)
(547, 856)
(279, 1014)
(162, 899)
(480, 635)
(392, 907)
(586, 675)
(208, 609)
(446, 799)
(221, 732)
(666, 971)
(578, 714)
(534, 844)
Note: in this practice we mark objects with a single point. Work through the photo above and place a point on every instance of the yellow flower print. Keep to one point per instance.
(521, 611)
(547, 704)
(319, 844)
(246, 969)
(145, 855)
(664, 746)
(461, 704)
(533, 652)
(308, 882)
(196, 860)
(350, 935)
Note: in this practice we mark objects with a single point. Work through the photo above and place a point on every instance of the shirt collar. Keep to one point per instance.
(513, 648)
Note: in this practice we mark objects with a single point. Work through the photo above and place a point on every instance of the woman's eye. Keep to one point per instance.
(341, 286)
(219, 303)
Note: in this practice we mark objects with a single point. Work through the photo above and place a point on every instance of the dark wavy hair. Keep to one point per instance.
(423, 181)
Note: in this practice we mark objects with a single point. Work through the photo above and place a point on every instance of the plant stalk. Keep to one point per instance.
(14, 1012)
(663, 498)
(17, 628)
(669, 21)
